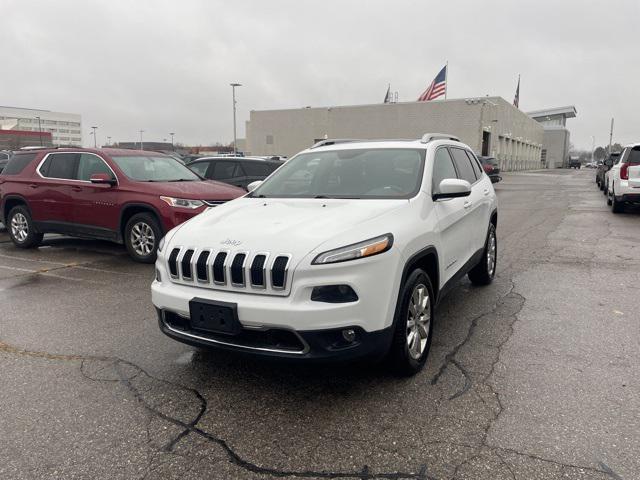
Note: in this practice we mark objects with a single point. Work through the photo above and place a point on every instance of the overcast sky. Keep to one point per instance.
(165, 66)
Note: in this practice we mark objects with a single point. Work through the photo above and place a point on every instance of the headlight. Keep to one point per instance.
(363, 249)
(160, 244)
(181, 202)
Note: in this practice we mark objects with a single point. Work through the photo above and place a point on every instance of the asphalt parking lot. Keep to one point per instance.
(535, 376)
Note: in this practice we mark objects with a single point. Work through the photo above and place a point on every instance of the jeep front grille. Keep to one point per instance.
(227, 270)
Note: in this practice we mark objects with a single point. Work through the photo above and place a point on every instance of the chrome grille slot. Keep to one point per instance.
(219, 276)
(185, 265)
(237, 270)
(202, 271)
(279, 272)
(173, 262)
(214, 203)
(257, 272)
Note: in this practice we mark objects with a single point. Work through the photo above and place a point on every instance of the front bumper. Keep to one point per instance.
(310, 345)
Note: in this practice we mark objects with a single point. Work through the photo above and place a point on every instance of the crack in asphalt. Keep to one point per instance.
(190, 427)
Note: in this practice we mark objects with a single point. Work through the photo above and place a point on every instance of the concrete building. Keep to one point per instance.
(489, 125)
(555, 148)
(65, 128)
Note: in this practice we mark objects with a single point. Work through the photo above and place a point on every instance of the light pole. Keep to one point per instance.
(593, 148)
(233, 90)
(40, 130)
(95, 142)
(172, 144)
(141, 144)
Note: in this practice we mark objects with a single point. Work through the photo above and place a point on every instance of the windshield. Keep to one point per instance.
(353, 173)
(154, 169)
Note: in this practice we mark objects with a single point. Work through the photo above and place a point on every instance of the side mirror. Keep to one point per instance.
(452, 188)
(253, 185)
(102, 179)
(608, 162)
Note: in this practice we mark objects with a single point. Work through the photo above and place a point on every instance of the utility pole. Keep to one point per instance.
(172, 144)
(610, 136)
(235, 139)
(40, 130)
(95, 142)
(141, 144)
(593, 148)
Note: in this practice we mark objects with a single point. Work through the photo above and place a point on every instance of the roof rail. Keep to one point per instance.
(334, 141)
(429, 137)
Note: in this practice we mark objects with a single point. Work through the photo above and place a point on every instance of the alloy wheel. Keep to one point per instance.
(19, 227)
(491, 253)
(418, 321)
(143, 240)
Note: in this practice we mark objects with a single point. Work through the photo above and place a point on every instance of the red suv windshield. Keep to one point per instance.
(154, 169)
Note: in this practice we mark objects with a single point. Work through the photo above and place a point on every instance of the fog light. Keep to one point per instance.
(334, 294)
(349, 335)
(158, 276)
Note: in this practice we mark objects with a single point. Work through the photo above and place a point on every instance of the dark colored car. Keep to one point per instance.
(126, 196)
(575, 163)
(604, 167)
(4, 159)
(491, 168)
(237, 171)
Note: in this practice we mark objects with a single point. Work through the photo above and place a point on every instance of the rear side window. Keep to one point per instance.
(475, 164)
(442, 168)
(60, 165)
(18, 162)
(224, 170)
(463, 165)
(258, 169)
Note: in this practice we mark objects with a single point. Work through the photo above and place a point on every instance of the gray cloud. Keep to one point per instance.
(165, 66)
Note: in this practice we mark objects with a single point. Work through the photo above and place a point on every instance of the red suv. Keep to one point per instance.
(126, 196)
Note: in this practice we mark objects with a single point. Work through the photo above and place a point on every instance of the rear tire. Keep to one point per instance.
(616, 206)
(413, 325)
(485, 270)
(141, 237)
(21, 228)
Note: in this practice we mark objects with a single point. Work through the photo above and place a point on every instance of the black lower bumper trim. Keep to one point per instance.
(314, 345)
(629, 197)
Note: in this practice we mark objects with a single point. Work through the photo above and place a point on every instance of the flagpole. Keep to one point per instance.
(446, 80)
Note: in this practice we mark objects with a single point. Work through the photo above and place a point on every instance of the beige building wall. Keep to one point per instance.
(514, 138)
(556, 144)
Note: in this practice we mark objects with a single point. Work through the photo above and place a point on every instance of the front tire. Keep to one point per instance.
(413, 324)
(21, 229)
(485, 270)
(141, 237)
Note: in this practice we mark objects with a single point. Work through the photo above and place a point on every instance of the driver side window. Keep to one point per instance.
(442, 168)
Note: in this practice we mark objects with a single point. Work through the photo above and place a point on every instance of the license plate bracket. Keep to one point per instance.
(214, 316)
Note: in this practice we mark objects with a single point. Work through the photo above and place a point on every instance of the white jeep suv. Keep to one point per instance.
(623, 180)
(342, 253)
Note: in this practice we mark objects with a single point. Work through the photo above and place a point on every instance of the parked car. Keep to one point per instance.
(127, 196)
(491, 168)
(574, 163)
(624, 179)
(614, 161)
(604, 167)
(344, 252)
(4, 159)
(238, 171)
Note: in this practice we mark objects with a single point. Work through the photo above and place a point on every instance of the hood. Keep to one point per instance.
(198, 190)
(294, 226)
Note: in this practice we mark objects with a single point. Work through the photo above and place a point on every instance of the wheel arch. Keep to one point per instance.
(11, 201)
(131, 209)
(427, 259)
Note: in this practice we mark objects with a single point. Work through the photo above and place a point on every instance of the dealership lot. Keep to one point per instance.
(535, 376)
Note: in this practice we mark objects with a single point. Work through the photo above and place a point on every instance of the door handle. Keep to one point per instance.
(76, 188)
(486, 192)
(467, 205)
(33, 185)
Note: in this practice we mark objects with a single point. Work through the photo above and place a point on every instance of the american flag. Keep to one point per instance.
(516, 99)
(437, 88)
